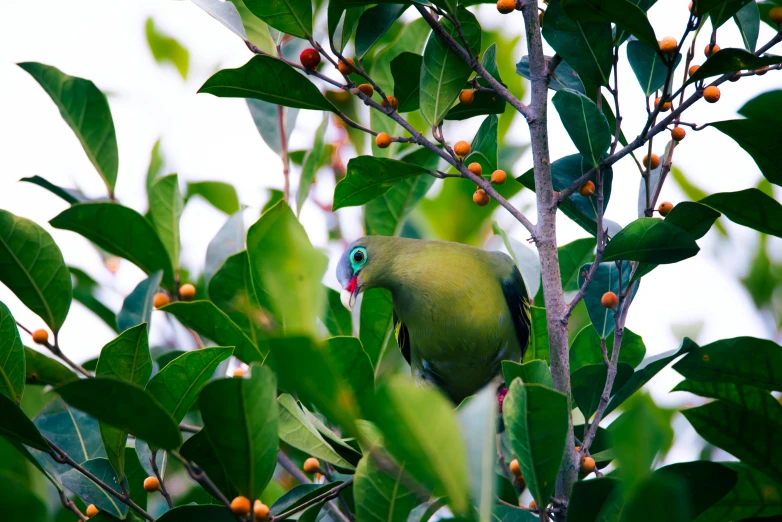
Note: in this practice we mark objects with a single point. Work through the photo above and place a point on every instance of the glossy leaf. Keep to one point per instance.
(120, 231)
(352, 363)
(731, 60)
(649, 68)
(240, 416)
(141, 415)
(228, 241)
(585, 124)
(651, 240)
(374, 23)
(720, 11)
(564, 76)
(231, 290)
(86, 111)
(90, 492)
(368, 178)
(342, 24)
(483, 149)
(15, 426)
(588, 497)
(626, 15)
(586, 46)
(12, 362)
(478, 420)
(206, 319)
(73, 431)
(571, 257)
(71, 196)
(266, 117)
(381, 495)
(421, 430)
(176, 386)
(199, 449)
(411, 38)
(538, 346)
(444, 72)
(337, 319)
(375, 323)
(537, 423)
(532, 372)
(484, 103)
(748, 21)
(407, 85)
(137, 307)
(293, 17)
(225, 13)
(220, 195)
(755, 496)
(41, 369)
(606, 278)
(756, 400)
(585, 348)
(300, 495)
(84, 291)
(286, 270)
(197, 513)
(758, 138)
(526, 259)
(588, 383)
(32, 267)
(289, 88)
(144, 453)
(652, 499)
(311, 163)
(297, 431)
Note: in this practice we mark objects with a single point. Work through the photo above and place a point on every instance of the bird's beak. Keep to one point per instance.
(349, 293)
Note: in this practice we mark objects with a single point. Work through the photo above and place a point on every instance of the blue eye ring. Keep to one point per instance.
(358, 258)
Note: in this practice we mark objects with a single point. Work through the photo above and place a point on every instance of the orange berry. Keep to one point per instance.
(587, 465)
(678, 134)
(383, 140)
(187, 292)
(481, 198)
(311, 465)
(665, 107)
(533, 505)
(475, 168)
(498, 177)
(151, 484)
(776, 15)
(240, 506)
(711, 94)
(391, 101)
(692, 69)
(506, 6)
(239, 372)
(261, 511)
(609, 300)
(763, 70)
(366, 89)
(160, 300)
(466, 97)
(462, 148)
(668, 44)
(710, 49)
(91, 510)
(587, 189)
(41, 336)
(652, 163)
(520, 482)
(309, 58)
(515, 468)
(664, 208)
(346, 66)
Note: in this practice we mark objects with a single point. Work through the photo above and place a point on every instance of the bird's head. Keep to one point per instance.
(355, 268)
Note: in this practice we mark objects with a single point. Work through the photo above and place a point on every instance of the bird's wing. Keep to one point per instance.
(516, 297)
(402, 338)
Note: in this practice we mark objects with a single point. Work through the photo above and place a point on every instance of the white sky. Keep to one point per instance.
(208, 138)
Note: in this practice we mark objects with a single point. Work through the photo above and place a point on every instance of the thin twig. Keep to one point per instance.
(55, 349)
(197, 474)
(69, 505)
(159, 477)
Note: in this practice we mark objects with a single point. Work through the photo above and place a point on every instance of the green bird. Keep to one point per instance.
(459, 311)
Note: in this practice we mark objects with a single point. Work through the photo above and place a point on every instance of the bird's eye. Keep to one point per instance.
(358, 256)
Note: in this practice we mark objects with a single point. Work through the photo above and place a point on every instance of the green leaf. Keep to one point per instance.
(293, 17)
(532, 372)
(585, 349)
(741, 360)
(289, 88)
(380, 495)
(75, 432)
(571, 258)
(199, 449)
(86, 111)
(144, 454)
(71, 196)
(286, 269)
(176, 386)
(240, 416)
(478, 420)
(644, 373)
(626, 15)
(15, 426)
(229, 240)
(84, 291)
(221, 195)
(197, 513)
(585, 124)
(651, 240)
(352, 363)
(90, 492)
(444, 73)
(40, 369)
(231, 290)
(342, 24)
(748, 21)
(483, 149)
(266, 117)
(720, 11)
(369, 177)
(485, 102)
(588, 497)
(411, 38)
(564, 76)
(586, 46)
(750, 398)
(731, 60)
(537, 421)
(763, 107)
(299, 495)
(652, 499)
(538, 346)
(206, 319)
(375, 324)
(407, 84)
(374, 23)
(167, 49)
(20, 503)
(137, 307)
(337, 319)
(32, 267)
(588, 383)
(12, 363)
(754, 496)
(649, 68)
(297, 431)
(725, 425)
(421, 430)
(605, 279)
(225, 13)
(758, 137)
(165, 210)
(120, 231)
(311, 164)
(141, 415)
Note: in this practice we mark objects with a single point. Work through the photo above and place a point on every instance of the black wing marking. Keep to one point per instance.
(402, 338)
(516, 297)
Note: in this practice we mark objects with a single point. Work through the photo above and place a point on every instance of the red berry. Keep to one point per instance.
(310, 58)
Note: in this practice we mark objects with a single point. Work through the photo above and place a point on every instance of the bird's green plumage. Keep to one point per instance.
(459, 311)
